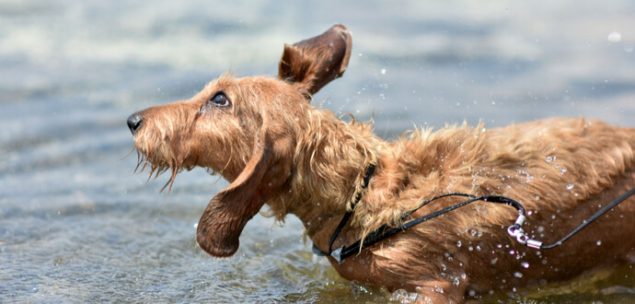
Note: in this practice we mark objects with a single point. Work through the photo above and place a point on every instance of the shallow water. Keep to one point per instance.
(76, 225)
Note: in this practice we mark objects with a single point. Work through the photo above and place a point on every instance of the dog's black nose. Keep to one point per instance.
(134, 122)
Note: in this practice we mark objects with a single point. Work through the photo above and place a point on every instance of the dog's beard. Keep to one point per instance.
(157, 166)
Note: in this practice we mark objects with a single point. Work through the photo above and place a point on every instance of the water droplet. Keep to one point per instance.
(570, 186)
(471, 293)
(470, 248)
(524, 264)
(195, 225)
(448, 256)
(383, 71)
(540, 229)
(512, 252)
(456, 281)
(599, 243)
(614, 37)
(526, 175)
(475, 232)
(438, 289)
(493, 261)
(458, 244)
(563, 171)
(518, 274)
(550, 158)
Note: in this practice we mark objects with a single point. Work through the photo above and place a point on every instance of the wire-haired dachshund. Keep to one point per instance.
(263, 135)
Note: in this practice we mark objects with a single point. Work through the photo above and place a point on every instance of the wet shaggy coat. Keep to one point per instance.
(277, 149)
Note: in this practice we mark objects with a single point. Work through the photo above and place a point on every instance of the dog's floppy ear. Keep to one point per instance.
(314, 62)
(227, 213)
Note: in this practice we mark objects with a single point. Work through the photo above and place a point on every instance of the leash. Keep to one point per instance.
(515, 230)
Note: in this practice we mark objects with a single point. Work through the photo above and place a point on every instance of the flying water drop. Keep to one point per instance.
(614, 37)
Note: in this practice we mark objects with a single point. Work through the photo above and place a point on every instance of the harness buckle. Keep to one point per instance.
(337, 255)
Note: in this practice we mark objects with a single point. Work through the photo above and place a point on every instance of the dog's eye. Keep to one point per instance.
(220, 100)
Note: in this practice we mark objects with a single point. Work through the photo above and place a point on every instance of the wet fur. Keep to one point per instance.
(275, 148)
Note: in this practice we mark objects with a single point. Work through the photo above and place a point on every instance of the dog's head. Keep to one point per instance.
(243, 128)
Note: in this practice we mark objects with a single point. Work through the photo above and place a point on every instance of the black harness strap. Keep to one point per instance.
(385, 231)
(370, 170)
(589, 220)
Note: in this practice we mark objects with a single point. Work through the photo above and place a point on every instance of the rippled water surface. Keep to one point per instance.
(76, 225)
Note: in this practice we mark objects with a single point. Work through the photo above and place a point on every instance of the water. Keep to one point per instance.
(77, 226)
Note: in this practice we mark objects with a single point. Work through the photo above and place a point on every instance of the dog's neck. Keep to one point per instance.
(330, 162)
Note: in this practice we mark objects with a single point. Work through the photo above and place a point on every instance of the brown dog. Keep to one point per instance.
(264, 137)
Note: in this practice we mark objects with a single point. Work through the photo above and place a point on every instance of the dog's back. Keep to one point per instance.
(562, 170)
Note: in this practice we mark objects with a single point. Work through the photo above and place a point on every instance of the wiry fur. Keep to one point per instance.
(275, 148)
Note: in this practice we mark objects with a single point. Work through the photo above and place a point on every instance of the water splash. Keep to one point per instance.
(614, 37)
(404, 297)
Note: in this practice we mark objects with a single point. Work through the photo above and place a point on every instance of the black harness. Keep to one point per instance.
(515, 230)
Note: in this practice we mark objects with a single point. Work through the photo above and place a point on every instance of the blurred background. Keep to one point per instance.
(76, 225)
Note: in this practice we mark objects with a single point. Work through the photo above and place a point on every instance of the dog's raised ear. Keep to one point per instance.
(314, 62)
(228, 212)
